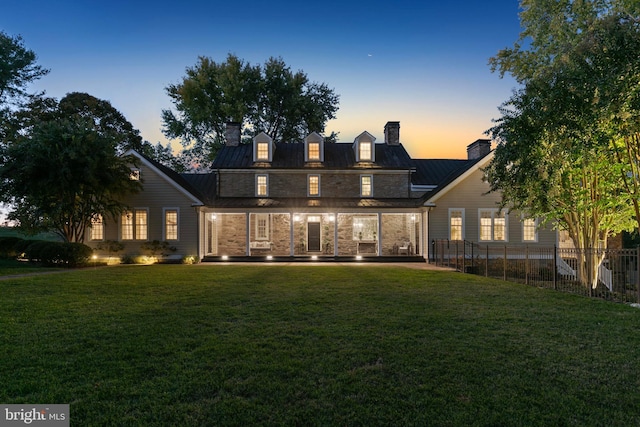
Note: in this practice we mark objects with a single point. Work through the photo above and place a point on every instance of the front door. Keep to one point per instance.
(313, 236)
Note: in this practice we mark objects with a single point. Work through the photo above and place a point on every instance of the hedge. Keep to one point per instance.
(47, 252)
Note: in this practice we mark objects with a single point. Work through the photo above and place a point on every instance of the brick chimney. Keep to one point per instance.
(478, 149)
(392, 133)
(232, 134)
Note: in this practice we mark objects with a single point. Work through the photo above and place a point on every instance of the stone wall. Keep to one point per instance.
(332, 184)
(396, 230)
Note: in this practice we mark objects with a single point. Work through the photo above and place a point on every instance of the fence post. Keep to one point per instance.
(504, 264)
(464, 255)
(526, 265)
(486, 262)
(555, 268)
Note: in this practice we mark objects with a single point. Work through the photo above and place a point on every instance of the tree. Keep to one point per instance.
(61, 170)
(270, 98)
(18, 68)
(556, 154)
(163, 154)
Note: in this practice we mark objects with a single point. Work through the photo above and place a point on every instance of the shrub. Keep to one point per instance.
(22, 245)
(189, 259)
(157, 247)
(127, 259)
(77, 254)
(110, 246)
(58, 253)
(8, 246)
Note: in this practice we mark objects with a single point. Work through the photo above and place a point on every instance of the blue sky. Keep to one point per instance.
(418, 62)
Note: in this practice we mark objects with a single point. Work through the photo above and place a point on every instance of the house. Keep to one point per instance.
(317, 200)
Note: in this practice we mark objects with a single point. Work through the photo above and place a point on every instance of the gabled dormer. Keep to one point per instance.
(314, 148)
(263, 148)
(364, 147)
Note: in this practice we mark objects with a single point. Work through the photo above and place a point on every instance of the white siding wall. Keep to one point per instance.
(158, 194)
(470, 194)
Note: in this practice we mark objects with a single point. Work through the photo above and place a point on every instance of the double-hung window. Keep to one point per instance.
(456, 224)
(313, 187)
(314, 151)
(262, 226)
(365, 151)
(262, 151)
(262, 185)
(366, 185)
(97, 228)
(493, 225)
(529, 230)
(171, 224)
(134, 225)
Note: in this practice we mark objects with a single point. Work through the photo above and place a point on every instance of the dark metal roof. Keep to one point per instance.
(434, 171)
(440, 172)
(204, 183)
(187, 183)
(291, 156)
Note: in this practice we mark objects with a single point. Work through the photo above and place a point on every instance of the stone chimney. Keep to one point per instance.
(232, 134)
(478, 149)
(392, 133)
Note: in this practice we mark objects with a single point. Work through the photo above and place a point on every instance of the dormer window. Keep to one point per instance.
(314, 151)
(364, 147)
(314, 148)
(263, 151)
(365, 151)
(262, 148)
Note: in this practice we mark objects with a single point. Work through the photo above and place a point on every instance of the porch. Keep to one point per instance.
(311, 236)
(315, 259)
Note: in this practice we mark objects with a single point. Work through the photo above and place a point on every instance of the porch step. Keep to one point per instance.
(303, 259)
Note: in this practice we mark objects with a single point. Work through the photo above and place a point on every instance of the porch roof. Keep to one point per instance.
(328, 204)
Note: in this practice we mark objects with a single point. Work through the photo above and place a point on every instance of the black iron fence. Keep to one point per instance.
(602, 273)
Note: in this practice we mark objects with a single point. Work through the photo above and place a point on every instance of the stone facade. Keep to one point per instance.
(287, 184)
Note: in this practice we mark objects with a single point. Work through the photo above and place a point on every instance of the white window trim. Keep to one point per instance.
(257, 187)
(309, 185)
(536, 223)
(267, 218)
(463, 222)
(91, 230)
(164, 224)
(370, 185)
(493, 211)
(365, 137)
(260, 139)
(133, 213)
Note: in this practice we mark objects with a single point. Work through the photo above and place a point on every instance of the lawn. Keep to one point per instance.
(315, 345)
(11, 267)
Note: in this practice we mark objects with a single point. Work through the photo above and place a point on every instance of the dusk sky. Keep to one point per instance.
(421, 63)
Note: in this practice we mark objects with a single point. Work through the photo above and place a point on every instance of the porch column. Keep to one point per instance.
(335, 235)
(291, 247)
(248, 234)
(379, 233)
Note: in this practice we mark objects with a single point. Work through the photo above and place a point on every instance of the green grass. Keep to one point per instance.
(324, 345)
(11, 267)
